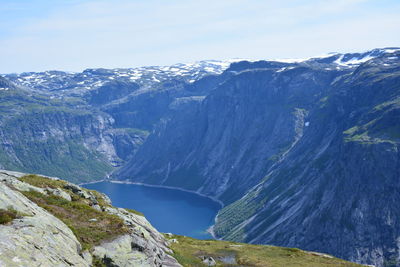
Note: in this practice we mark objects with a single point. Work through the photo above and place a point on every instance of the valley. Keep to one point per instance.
(301, 153)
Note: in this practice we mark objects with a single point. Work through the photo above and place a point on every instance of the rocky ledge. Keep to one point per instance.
(45, 221)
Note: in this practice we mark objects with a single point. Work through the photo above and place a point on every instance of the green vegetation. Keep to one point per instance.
(76, 214)
(136, 131)
(42, 182)
(97, 262)
(135, 212)
(188, 252)
(30, 122)
(7, 215)
(374, 132)
(383, 128)
(89, 225)
(65, 159)
(236, 213)
(392, 103)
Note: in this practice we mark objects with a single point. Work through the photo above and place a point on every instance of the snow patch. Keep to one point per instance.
(353, 61)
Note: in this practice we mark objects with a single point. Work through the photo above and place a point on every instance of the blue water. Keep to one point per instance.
(169, 210)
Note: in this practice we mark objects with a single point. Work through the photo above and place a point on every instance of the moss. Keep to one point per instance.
(77, 216)
(98, 262)
(188, 251)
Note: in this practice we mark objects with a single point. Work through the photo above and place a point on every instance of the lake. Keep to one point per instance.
(168, 210)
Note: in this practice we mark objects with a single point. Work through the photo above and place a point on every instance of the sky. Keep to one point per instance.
(72, 35)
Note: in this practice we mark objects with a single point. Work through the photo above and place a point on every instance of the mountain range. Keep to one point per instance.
(302, 153)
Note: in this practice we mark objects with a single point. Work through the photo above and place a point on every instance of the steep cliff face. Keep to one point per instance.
(44, 135)
(224, 143)
(304, 155)
(81, 126)
(335, 191)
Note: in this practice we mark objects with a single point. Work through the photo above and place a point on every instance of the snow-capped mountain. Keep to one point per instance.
(347, 60)
(148, 77)
(93, 78)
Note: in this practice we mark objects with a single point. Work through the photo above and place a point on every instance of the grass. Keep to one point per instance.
(76, 215)
(188, 251)
(134, 212)
(6, 216)
(42, 182)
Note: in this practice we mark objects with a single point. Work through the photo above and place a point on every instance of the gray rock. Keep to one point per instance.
(170, 235)
(40, 239)
(97, 207)
(73, 187)
(60, 193)
(10, 178)
(37, 239)
(209, 261)
(81, 192)
(145, 246)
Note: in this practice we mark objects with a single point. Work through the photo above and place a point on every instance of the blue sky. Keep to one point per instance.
(72, 35)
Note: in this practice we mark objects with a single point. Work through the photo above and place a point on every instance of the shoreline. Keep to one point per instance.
(168, 187)
(209, 230)
(93, 182)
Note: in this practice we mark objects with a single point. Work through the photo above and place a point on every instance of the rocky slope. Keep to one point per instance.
(41, 233)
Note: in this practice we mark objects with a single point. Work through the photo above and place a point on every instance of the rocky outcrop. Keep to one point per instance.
(144, 246)
(38, 238)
